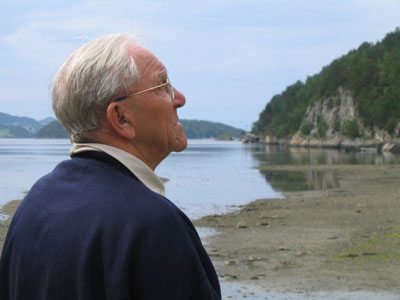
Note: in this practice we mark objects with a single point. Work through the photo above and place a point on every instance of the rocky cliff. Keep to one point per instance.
(334, 123)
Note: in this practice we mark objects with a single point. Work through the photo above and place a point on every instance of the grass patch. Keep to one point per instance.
(10, 207)
(7, 209)
(383, 246)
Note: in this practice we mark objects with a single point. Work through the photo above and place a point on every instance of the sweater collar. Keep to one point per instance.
(132, 163)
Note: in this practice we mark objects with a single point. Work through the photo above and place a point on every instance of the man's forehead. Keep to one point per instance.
(146, 61)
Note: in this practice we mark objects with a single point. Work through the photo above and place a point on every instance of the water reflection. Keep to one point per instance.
(300, 180)
(289, 181)
(278, 155)
(213, 177)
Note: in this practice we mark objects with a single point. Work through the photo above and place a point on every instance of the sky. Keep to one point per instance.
(229, 58)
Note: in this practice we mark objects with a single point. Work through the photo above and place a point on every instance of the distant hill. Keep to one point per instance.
(46, 121)
(197, 129)
(53, 130)
(30, 125)
(194, 129)
(20, 127)
(23, 127)
(14, 132)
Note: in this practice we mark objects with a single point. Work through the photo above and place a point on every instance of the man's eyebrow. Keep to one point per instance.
(162, 77)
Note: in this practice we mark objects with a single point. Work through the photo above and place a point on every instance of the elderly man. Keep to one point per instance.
(98, 226)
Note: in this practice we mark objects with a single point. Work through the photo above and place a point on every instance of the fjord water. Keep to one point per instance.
(23, 161)
(213, 177)
(207, 178)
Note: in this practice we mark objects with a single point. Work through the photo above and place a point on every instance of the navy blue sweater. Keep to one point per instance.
(91, 230)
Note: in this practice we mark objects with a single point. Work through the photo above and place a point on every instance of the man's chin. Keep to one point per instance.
(180, 145)
(181, 140)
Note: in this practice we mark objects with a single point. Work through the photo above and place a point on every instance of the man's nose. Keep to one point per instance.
(180, 99)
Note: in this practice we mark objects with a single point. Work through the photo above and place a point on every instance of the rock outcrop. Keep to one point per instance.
(334, 111)
(323, 124)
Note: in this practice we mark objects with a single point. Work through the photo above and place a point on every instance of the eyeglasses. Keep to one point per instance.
(168, 84)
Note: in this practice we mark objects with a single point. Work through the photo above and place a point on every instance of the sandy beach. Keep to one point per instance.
(343, 239)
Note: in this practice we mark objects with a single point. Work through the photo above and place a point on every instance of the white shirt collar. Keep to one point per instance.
(132, 163)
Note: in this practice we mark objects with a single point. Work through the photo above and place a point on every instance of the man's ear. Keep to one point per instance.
(118, 118)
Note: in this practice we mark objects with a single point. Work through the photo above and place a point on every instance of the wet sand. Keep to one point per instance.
(340, 240)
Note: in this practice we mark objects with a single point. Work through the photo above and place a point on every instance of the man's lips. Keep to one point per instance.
(178, 125)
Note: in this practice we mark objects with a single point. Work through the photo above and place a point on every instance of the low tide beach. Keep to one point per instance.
(343, 241)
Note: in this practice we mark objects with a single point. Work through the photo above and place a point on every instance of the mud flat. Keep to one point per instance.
(340, 240)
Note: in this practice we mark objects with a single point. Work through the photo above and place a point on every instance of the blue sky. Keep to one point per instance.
(228, 57)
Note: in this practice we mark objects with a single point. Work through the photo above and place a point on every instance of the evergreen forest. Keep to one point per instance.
(371, 73)
(199, 129)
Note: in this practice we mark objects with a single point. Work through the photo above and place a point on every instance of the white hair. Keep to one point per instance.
(90, 79)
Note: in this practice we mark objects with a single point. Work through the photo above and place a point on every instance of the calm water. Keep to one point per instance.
(208, 177)
(23, 161)
(214, 177)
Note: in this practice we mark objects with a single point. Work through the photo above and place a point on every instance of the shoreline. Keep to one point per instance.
(344, 239)
(7, 209)
(340, 240)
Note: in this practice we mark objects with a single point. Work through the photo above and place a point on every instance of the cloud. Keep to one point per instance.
(222, 49)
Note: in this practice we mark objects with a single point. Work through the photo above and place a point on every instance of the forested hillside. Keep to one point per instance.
(197, 129)
(53, 130)
(23, 127)
(14, 132)
(194, 129)
(13, 126)
(372, 75)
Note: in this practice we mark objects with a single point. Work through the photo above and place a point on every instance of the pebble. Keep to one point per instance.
(241, 224)
(369, 254)
(350, 255)
(262, 224)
